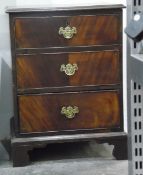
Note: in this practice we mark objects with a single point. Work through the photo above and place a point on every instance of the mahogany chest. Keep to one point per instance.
(67, 77)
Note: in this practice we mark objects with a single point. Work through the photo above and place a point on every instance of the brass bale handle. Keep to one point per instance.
(69, 69)
(69, 111)
(67, 32)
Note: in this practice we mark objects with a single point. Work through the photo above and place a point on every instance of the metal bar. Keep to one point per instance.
(135, 95)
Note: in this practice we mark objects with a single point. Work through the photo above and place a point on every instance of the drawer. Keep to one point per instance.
(69, 111)
(42, 32)
(68, 69)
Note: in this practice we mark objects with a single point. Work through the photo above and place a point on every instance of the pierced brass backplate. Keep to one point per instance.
(69, 69)
(67, 32)
(69, 111)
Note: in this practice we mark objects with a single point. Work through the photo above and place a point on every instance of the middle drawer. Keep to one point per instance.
(68, 69)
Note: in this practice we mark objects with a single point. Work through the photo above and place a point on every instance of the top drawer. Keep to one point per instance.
(42, 32)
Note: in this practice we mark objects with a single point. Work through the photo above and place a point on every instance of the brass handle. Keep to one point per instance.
(67, 32)
(69, 111)
(69, 69)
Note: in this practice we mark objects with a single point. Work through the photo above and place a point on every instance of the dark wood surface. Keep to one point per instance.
(22, 146)
(91, 30)
(40, 89)
(68, 137)
(22, 9)
(30, 52)
(41, 113)
(43, 70)
(109, 12)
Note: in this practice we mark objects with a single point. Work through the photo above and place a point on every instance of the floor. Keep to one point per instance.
(70, 159)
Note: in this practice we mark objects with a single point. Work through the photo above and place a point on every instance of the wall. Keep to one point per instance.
(6, 105)
(67, 2)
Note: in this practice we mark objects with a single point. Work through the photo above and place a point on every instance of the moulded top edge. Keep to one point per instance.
(44, 9)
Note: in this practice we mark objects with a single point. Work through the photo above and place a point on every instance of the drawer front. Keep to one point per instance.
(50, 112)
(90, 30)
(52, 70)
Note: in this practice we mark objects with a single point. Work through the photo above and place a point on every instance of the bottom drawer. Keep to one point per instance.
(69, 111)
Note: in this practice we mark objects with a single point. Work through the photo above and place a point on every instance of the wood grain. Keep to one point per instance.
(91, 30)
(41, 113)
(43, 70)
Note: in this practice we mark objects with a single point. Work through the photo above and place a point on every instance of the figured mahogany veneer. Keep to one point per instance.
(39, 53)
(41, 113)
(43, 70)
(44, 32)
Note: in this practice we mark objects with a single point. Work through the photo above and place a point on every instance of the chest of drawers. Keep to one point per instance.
(67, 77)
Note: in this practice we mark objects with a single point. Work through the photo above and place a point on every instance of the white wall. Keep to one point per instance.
(67, 2)
(6, 107)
